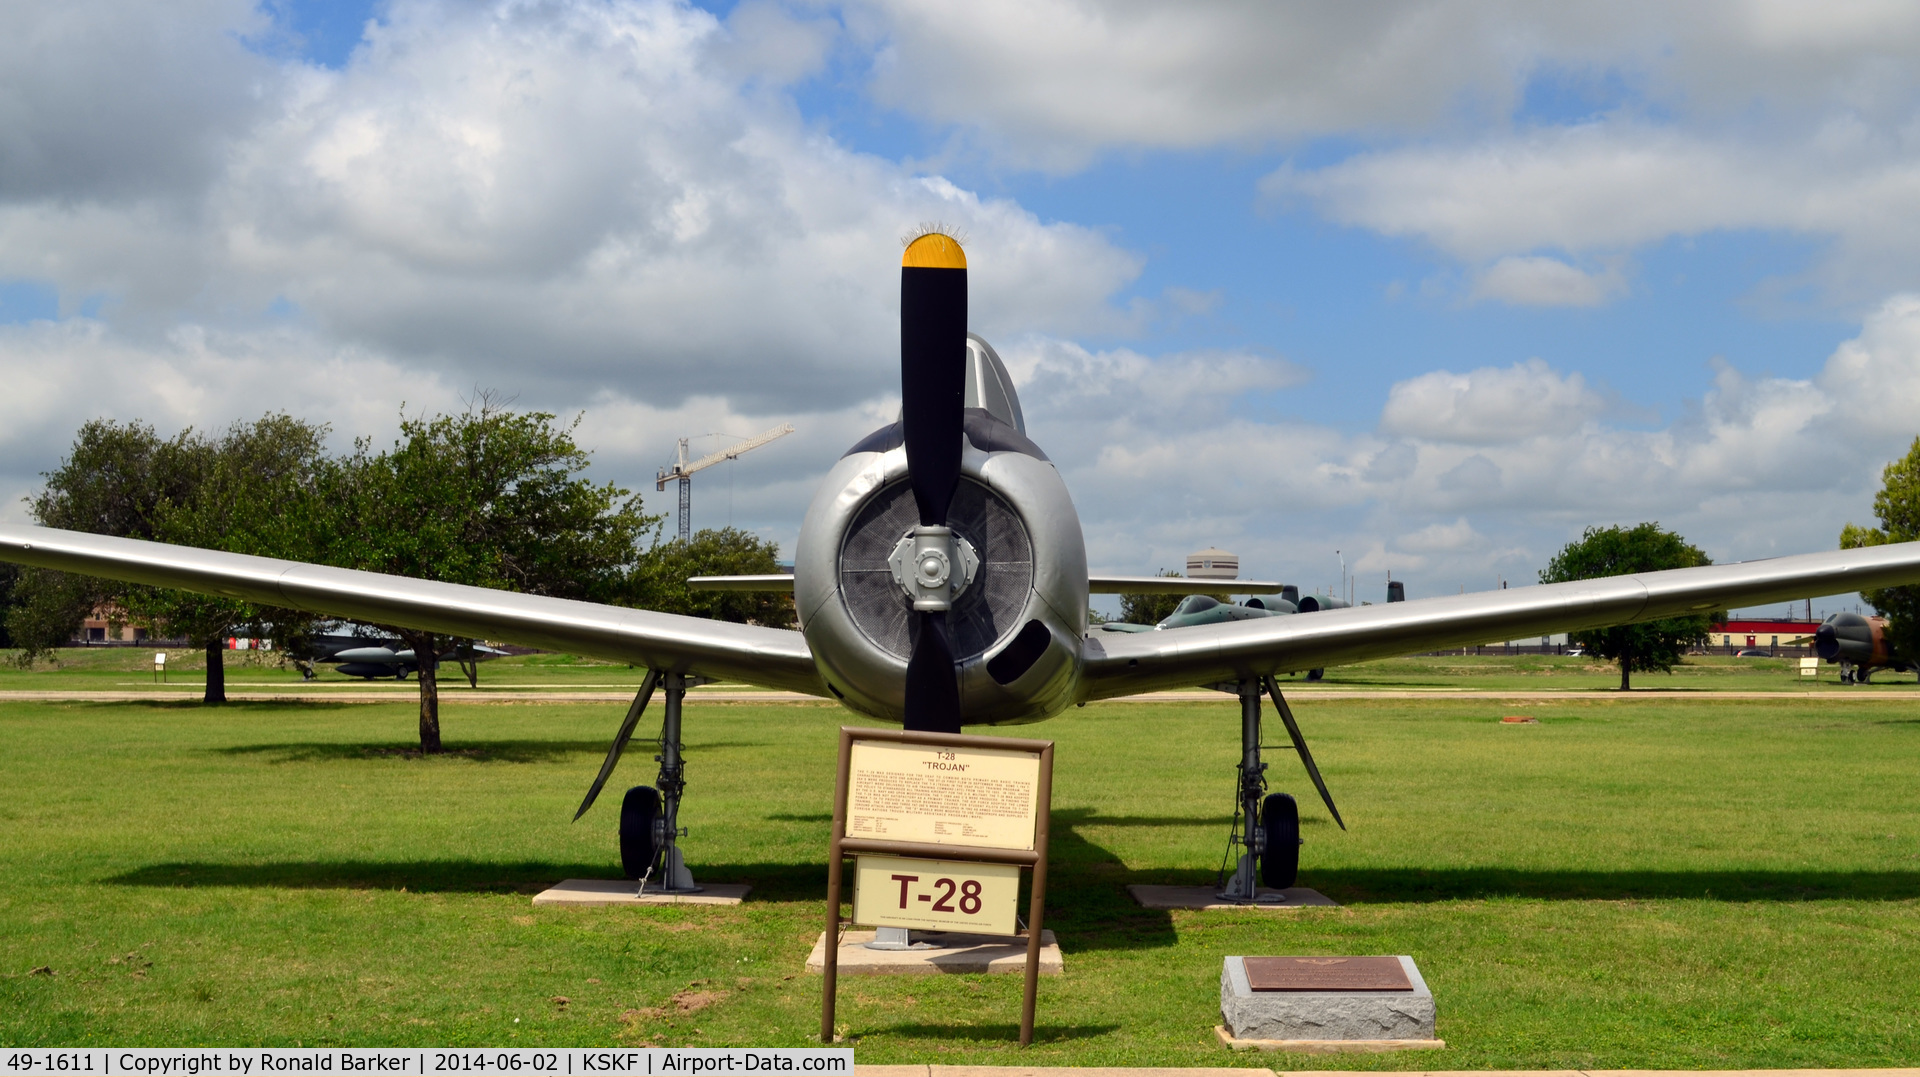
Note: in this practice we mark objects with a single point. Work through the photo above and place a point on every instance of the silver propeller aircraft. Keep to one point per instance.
(941, 580)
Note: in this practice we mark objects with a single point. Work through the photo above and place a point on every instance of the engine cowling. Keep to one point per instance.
(1849, 637)
(1018, 623)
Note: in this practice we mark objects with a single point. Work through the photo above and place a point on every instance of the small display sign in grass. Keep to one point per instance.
(941, 824)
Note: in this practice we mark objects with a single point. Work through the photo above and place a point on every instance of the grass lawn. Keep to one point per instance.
(128, 668)
(1663, 882)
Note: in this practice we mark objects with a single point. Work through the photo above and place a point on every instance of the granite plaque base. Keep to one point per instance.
(1317, 1016)
(1331, 1047)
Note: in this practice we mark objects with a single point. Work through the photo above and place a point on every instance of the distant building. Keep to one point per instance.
(1769, 633)
(1213, 564)
(108, 624)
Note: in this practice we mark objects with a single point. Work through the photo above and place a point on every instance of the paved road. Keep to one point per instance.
(619, 694)
(1196, 1071)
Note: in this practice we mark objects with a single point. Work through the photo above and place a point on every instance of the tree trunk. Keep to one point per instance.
(1626, 669)
(216, 672)
(424, 653)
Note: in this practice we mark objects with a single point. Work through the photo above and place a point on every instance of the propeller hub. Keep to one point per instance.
(933, 566)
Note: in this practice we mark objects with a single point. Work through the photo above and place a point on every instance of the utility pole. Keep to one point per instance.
(682, 471)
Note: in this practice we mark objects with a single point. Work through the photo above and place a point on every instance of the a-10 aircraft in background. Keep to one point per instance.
(370, 657)
(1859, 644)
(940, 580)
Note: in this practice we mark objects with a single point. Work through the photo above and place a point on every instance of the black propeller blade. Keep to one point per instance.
(620, 740)
(933, 383)
(1300, 746)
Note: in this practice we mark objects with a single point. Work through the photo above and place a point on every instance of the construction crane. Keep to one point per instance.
(683, 471)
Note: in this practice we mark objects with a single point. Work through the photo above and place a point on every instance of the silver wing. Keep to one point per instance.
(1178, 585)
(773, 657)
(1120, 664)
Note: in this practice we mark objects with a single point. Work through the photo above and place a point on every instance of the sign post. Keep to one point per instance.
(940, 824)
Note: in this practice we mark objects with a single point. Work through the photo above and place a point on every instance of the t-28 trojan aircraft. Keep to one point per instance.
(941, 581)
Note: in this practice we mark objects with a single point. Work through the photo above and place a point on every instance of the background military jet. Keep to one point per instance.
(1859, 644)
(941, 580)
(371, 657)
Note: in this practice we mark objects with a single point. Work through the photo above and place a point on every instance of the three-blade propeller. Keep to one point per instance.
(933, 381)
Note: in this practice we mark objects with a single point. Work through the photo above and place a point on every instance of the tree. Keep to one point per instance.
(245, 479)
(8, 575)
(1898, 507)
(1152, 609)
(659, 581)
(112, 482)
(486, 497)
(1649, 646)
(122, 479)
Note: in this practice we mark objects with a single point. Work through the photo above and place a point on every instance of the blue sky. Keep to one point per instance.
(1436, 286)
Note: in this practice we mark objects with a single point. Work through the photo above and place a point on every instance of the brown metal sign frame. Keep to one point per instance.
(840, 846)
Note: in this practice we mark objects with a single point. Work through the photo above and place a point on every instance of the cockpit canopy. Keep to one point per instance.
(1194, 604)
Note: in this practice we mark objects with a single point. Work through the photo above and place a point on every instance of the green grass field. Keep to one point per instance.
(126, 668)
(1656, 882)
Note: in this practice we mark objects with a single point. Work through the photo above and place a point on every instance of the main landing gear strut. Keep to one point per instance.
(650, 829)
(1266, 826)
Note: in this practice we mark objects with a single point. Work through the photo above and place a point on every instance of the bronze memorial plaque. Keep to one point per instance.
(1326, 974)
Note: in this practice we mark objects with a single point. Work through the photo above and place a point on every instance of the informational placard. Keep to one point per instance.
(984, 798)
(940, 826)
(1326, 974)
(1809, 667)
(936, 895)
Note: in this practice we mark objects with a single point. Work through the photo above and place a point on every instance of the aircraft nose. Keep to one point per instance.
(1826, 643)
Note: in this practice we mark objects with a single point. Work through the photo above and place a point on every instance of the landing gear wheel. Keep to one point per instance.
(1316, 674)
(637, 843)
(1280, 862)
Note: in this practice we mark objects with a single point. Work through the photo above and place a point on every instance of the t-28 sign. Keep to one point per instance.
(939, 825)
(936, 895)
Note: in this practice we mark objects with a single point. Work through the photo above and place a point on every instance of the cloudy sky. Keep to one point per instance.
(1435, 285)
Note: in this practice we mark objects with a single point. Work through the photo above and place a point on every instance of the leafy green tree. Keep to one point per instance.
(1649, 646)
(8, 575)
(122, 479)
(246, 477)
(487, 497)
(659, 581)
(1149, 609)
(1898, 507)
(112, 482)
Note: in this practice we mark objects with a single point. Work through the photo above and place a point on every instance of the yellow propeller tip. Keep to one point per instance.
(934, 250)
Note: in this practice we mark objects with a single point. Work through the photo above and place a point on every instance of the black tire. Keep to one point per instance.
(1280, 863)
(637, 813)
(1316, 674)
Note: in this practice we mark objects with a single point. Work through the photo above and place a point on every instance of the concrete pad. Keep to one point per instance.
(966, 953)
(622, 892)
(1327, 1047)
(1207, 897)
(1395, 1018)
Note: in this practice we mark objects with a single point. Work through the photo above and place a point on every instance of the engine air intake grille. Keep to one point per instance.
(982, 615)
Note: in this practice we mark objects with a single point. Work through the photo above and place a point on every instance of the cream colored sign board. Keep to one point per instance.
(936, 895)
(984, 798)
